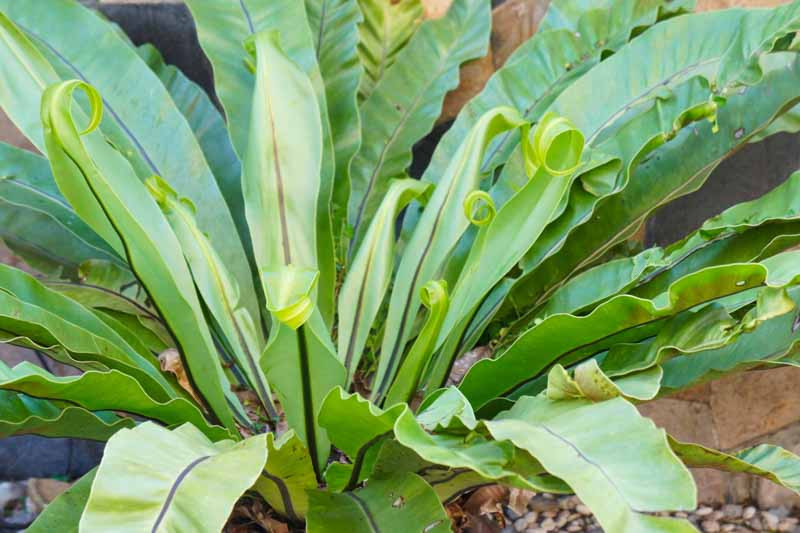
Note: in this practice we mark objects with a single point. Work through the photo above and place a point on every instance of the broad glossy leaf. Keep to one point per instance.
(405, 104)
(148, 130)
(559, 338)
(369, 274)
(552, 154)
(577, 441)
(438, 231)
(288, 476)
(209, 129)
(380, 506)
(357, 427)
(281, 168)
(334, 23)
(24, 415)
(223, 28)
(385, 30)
(771, 462)
(104, 391)
(219, 290)
(568, 14)
(64, 513)
(32, 310)
(156, 479)
(684, 163)
(590, 382)
(539, 70)
(771, 341)
(35, 213)
(153, 251)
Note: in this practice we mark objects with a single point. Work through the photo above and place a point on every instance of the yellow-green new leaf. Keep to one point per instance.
(218, 288)
(151, 247)
(438, 231)
(369, 275)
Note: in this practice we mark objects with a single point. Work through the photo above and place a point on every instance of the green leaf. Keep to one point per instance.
(281, 168)
(380, 506)
(222, 28)
(142, 121)
(578, 442)
(683, 164)
(287, 476)
(153, 250)
(217, 287)
(64, 513)
(438, 231)
(568, 14)
(589, 381)
(24, 415)
(503, 238)
(300, 360)
(209, 129)
(104, 391)
(770, 341)
(561, 338)
(384, 32)
(40, 218)
(771, 462)
(357, 427)
(407, 101)
(536, 73)
(29, 309)
(152, 478)
(334, 23)
(369, 274)
(434, 298)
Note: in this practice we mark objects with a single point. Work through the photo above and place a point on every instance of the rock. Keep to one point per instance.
(43, 491)
(731, 511)
(583, 509)
(749, 512)
(10, 494)
(729, 527)
(541, 504)
(787, 524)
(704, 511)
(548, 525)
(755, 523)
(711, 526)
(770, 520)
(531, 516)
(781, 511)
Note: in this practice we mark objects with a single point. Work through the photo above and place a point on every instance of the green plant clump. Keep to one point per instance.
(266, 308)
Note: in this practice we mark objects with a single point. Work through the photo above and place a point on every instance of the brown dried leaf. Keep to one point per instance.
(486, 500)
(170, 361)
(518, 500)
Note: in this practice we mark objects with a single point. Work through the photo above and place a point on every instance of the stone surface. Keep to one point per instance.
(686, 421)
(750, 404)
(513, 23)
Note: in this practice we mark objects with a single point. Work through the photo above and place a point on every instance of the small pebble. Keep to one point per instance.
(711, 526)
(749, 512)
(704, 511)
(548, 525)
(770, 520)
(583, 509)
(521, 524)
(732, 511)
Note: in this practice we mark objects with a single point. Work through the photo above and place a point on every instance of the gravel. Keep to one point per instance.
(551, 513)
